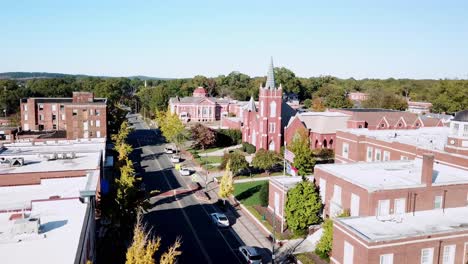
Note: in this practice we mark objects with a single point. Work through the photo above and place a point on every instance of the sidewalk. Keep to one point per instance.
(220, 152)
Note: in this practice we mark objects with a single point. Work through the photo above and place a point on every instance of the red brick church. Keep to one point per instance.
(264, 127)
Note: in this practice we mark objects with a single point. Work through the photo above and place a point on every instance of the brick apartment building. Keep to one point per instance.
(392, 188)
(82, 116)
(426, 237)
(445, 143)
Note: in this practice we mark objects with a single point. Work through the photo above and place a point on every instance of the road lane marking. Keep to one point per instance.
(202, 248)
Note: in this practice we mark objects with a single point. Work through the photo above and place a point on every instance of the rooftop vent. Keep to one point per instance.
(30, 225)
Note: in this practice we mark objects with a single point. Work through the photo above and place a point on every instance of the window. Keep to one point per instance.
(386, 156)
(271, 127)
(378, 154)
(98, 123)
(465, 130)
(384, 207)
(54, 117)
(41, 117)
(98, 112)
(25, 117)
(427, 255)
(449, 255)
(354, 210)
(455, 128)
(382, 125)
(345, 153)
(399, 206)
(386, 259)
(277, 203)
(273, 109)
(403, 157)
(369, 154)
(98, 134)
(261, 108)
(438, 202)
(337, 194)
(348, 255)
(41, 107)
(54, 126)
(62, 107)
(91, 122)
(25, 107)
(54, 107)
(323, 189)
(75, 112)
(63, 116)
(91, 111)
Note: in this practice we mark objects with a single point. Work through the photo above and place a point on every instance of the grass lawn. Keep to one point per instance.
(305, 258)
(209, 159)
(278, 173)
(200, 152)
(248, 192)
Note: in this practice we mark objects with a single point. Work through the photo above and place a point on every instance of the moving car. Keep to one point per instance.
(184, 171)
(250, 254)
(175, 158)
(220, 219)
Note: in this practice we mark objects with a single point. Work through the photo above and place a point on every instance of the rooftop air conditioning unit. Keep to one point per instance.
(26, 226)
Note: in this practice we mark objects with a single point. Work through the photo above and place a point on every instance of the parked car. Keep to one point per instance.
(169, 150)
(220, 219)
(175, 158)
(250, 254)
(184, 171)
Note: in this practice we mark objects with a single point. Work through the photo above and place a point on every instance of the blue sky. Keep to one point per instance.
(360, 39)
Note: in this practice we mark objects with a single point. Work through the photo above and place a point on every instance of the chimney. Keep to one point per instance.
(427, 169)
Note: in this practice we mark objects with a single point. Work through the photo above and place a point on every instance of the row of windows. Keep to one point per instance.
(272, 109)
(95, 112)
(427, 255)
(377, 155)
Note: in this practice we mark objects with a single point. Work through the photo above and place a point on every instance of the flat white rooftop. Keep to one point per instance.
(288, 181)
(20, 197)
(424, 137)
(61, 223)
(404, 226)
(387, 175)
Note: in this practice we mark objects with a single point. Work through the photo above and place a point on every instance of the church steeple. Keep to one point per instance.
(270, 82)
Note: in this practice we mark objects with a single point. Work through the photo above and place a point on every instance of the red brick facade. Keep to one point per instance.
(82, 116)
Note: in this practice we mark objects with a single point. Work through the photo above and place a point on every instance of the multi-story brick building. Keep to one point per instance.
(449, 145)
(49, 193)
(82, 116)
(419, 107)
(426, 237)
(392, 188)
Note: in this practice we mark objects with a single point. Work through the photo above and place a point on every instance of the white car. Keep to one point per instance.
(220, 219)
(175, 158)
(169, 150)
(250, 254)
(184, 171)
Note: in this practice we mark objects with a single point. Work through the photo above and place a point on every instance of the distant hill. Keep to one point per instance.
(48, 75)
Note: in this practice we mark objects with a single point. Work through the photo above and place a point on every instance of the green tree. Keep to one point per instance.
(303, 206)
(324, 246)
(304, 158)
(144, 246)
(379, 98)
(263, 193)
(307, 103)
(287, 79)
(265, 160)
(237, 161)
(126, 190)
(171, 127)
(226, 186)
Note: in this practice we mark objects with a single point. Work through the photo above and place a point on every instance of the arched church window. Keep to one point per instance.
(273, 109)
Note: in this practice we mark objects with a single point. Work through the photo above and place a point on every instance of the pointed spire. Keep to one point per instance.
(270, 83)
(251, 105)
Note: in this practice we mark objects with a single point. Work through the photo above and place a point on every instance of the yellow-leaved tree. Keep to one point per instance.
(226, 186)
(171, 127)
(144, 246)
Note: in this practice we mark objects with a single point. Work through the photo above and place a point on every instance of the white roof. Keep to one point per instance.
(400, 174)
(88, 156)
(323, 122)
(61, 222)
(423, 223)
(20, 197)
(424, 137)
(288, 181)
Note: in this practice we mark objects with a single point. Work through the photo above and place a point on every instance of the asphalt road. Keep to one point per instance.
(184, 217)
